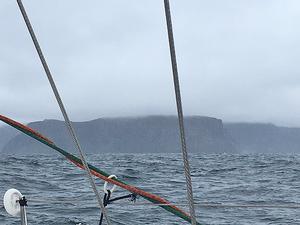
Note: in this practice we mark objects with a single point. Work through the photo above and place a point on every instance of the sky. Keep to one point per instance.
(237, 59)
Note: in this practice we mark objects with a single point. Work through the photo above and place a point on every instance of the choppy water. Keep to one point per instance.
(58, 193)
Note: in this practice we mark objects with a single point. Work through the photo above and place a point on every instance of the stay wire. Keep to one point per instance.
(34, 202)
(62, 108)
(180, 113)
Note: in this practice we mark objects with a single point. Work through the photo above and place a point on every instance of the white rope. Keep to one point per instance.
(180, 113)
(62, 108)
(198, 204)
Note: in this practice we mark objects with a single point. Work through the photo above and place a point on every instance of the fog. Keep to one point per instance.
(238, 60)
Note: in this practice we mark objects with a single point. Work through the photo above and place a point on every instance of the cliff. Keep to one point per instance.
(138, 135)
(260, 137)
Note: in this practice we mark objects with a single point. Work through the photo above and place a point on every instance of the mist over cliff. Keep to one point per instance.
(264, 137)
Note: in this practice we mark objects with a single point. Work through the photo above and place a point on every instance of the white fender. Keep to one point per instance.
(11, 204)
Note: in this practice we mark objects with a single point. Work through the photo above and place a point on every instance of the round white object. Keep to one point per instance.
(105, 185)
(11, 204)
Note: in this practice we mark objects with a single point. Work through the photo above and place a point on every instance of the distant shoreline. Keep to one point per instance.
(156, 134)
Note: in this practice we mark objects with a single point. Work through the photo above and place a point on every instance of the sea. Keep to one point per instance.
(59, 193)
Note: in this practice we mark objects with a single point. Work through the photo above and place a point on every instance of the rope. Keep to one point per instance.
(180, 113)
(33, 201)
(250, 206)
(62, 108)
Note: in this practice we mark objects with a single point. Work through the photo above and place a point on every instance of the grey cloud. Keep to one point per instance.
(237, 59)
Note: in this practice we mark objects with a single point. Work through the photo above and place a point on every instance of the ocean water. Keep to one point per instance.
(59, 193)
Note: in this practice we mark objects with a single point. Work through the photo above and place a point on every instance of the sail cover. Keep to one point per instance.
(97, 172)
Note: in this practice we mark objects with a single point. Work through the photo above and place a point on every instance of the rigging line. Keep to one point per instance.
(62, 108)
(37, 202)
(180, 112)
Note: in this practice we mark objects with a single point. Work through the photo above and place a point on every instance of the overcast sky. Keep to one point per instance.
(238, 60)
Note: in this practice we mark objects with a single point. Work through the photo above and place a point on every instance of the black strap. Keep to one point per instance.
(23, 201)
(131, 196)
(105, 203)
(107, 200)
